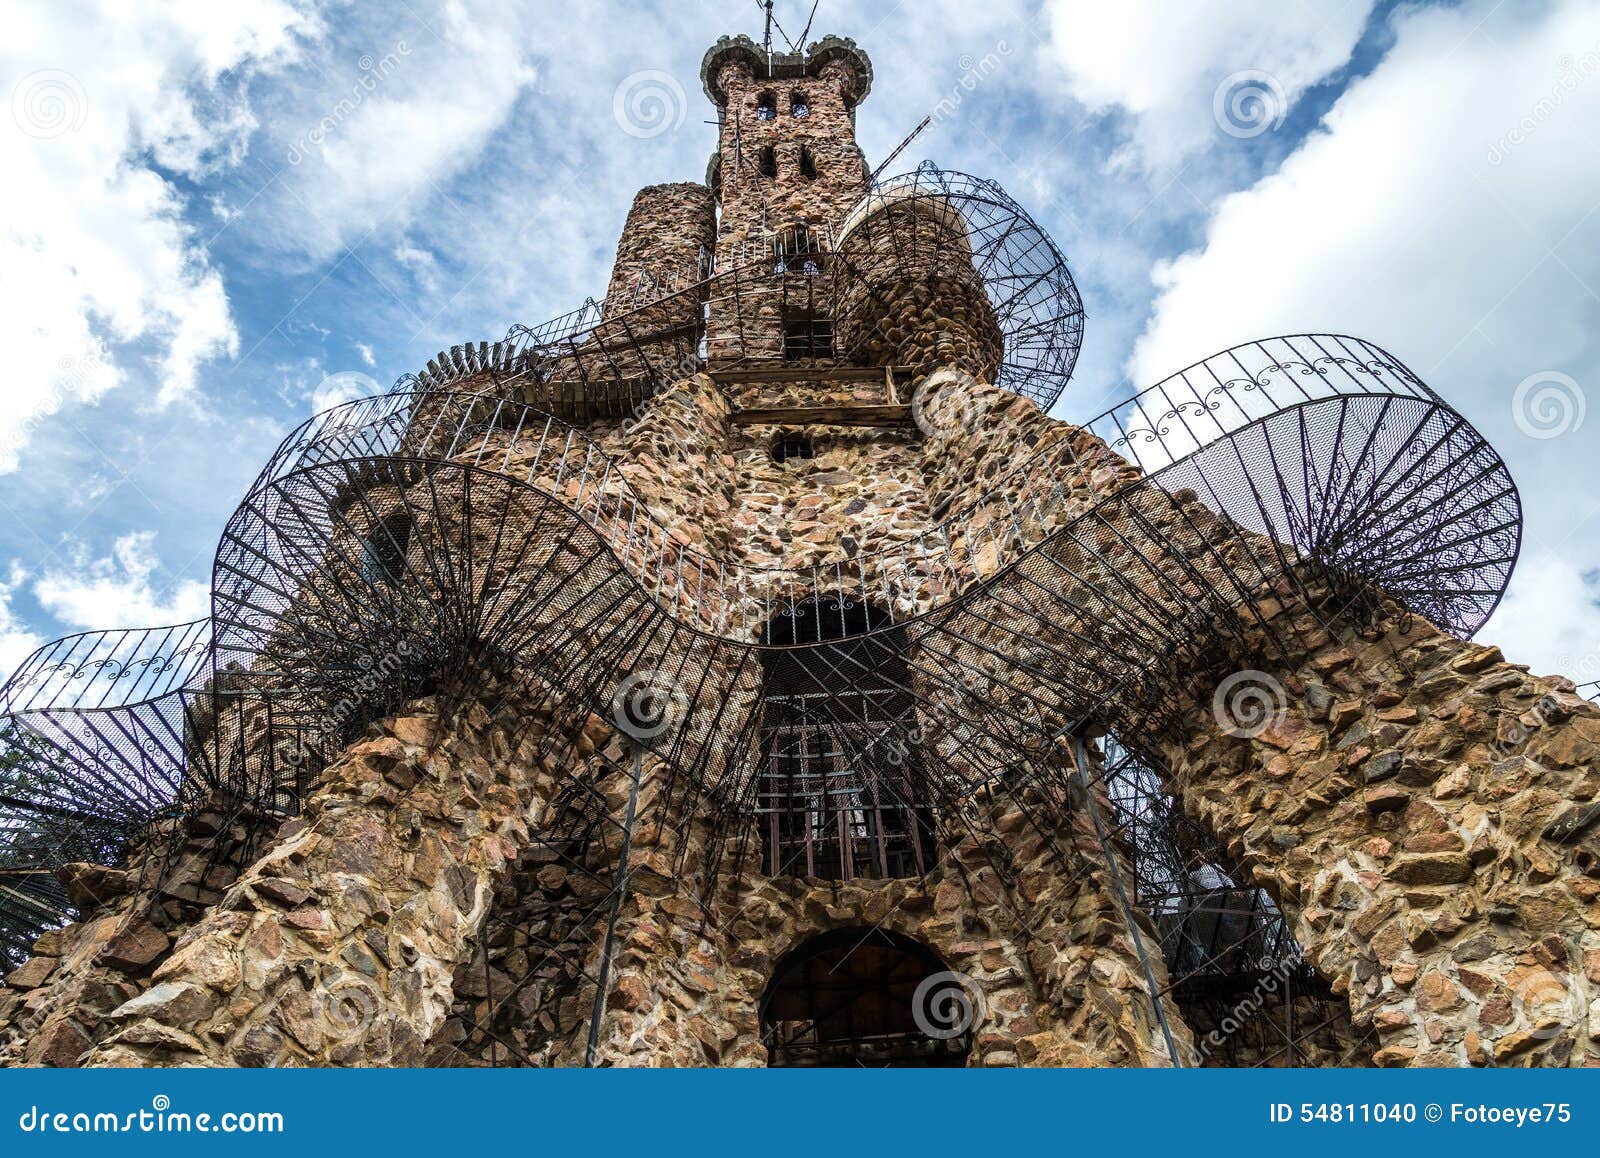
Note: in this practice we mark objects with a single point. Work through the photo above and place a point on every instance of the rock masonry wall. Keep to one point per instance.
(1042, 951)
(909, 294)
(759, 208)
(1047, 948)
(669, 228)
(337, 946)
(59, 1004)
(1426, 813)
(1401, 814)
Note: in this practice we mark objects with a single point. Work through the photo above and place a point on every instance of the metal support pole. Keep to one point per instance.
(1081, 758)
(603, 982)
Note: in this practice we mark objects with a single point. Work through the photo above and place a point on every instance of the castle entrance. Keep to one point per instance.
(865, 997)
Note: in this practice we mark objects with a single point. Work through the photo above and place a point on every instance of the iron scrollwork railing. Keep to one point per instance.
(604, 362)
(527, 549)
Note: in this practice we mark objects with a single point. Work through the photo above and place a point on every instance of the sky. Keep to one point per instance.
(220, 218)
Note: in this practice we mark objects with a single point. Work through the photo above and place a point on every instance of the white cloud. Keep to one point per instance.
(120, 590)
(366, 353)
(369, 137)
(1447, 211)
(95, 255)
(1164, 60)
(1550, 619)
(16, 641)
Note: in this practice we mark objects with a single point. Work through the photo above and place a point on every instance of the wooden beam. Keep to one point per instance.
(858, 414)
(808, 374)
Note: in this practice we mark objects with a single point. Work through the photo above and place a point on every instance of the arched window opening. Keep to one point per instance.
(1238, 977)
(768, 164)
(808, 165)
(842, 788)
(767, 106)
(787, 446)
(799, 104)
(864, 997)
(384, 551)
(798, 251)
(807, 336)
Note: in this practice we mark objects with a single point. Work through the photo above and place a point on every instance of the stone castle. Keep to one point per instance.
(745, 670)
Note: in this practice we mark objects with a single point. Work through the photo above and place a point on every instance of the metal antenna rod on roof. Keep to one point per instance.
(772, 22)
(807, 30)
(898, 149)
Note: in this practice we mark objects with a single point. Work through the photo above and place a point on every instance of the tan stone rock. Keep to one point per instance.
(32, 973)
(1434, 868)
(135, 948)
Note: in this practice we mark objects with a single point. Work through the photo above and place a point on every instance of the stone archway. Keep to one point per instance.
(865, 997)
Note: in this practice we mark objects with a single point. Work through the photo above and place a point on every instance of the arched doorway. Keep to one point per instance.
(866, 997)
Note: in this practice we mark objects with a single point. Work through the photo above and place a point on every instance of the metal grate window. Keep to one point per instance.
(837, 794)
(807, 337)
(790, 446)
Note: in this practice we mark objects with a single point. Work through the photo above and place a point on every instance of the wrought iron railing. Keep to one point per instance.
(1075, 588)
(1422, 523)
(1030, 290)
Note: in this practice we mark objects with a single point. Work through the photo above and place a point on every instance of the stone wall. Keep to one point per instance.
(668, 229)
(1425, 812)
(406, 928)
(60, 1004)
(753, 203)
(1401, 812)
(338, 946)
(759, 209)
(1040, 949)
(909, 294)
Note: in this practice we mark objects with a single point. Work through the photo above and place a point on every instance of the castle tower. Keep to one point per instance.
(744, 669)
